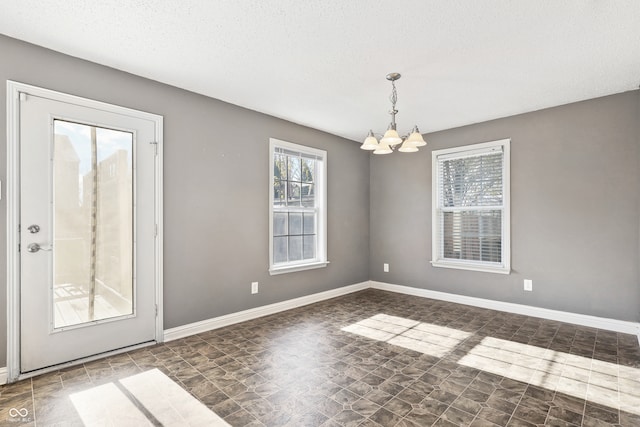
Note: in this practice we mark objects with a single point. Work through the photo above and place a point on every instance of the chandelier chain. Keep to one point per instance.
(394, 95)
(393, 98)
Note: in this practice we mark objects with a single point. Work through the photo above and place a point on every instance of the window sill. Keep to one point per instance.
(471, 267)
(297, 267)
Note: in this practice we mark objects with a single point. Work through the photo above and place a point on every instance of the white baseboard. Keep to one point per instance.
(253, 313)
(3, 375)
(527, 310)
(242, 316)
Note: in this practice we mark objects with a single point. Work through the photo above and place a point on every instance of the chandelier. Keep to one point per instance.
(390, 140)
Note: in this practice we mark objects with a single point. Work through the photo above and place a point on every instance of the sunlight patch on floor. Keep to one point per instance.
(605, 383)
(425, 338)
(168, 402)
(115, 403)
(107, 405)
(601, 382)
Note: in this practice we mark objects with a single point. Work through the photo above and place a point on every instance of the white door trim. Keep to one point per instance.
(14, 89)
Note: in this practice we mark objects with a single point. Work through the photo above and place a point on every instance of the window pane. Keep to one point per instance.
(472, 235)
(295, 223)
(280, 249)
(295, 248)
(280, 166)
(294, 168)
(309, 251)
(308, 170)
(279, 223)
(309, 223)
(93, 223)
(294, 194)
(308, 195)
(279, 193)
(472, 181)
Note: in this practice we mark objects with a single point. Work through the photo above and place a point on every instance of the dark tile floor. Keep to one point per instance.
(374, 358)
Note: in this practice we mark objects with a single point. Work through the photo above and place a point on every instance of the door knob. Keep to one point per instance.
(34, 247)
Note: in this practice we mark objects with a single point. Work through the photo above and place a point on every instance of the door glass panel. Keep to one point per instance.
(93, 224)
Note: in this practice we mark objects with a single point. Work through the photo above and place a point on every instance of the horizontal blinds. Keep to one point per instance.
(294, 153)
(471, 181)
(472, 235)
(470, 200)
(464, 153)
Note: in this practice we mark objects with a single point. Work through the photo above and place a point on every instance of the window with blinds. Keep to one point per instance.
(471, 207)
(297, 215)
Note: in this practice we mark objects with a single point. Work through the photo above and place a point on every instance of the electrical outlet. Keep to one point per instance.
(528, 285)
(385, 267)
(254, 287)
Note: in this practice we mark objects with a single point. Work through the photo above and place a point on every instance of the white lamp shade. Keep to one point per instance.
(391, 137)
(383, 148)
(416, 140)
(370, 143)
(408, 147)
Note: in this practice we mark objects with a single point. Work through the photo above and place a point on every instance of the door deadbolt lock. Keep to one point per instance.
(33, 229)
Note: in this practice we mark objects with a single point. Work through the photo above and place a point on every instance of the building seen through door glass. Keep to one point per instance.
(93, 224)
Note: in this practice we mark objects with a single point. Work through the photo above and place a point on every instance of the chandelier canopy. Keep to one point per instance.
(391, 140)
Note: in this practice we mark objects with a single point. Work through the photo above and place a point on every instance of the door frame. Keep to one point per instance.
(14, 91)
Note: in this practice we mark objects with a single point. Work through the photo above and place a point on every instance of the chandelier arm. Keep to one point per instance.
(381, 134)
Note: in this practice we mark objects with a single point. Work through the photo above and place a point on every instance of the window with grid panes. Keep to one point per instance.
(471, 207)
(297, 212)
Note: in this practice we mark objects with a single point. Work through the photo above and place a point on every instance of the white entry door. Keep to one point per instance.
(88, 231)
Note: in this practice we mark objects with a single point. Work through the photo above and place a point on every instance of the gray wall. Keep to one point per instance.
(575, 210)
(575, 200)
(216, 190)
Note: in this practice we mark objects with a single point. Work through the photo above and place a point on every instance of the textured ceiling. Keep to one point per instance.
(322, 63)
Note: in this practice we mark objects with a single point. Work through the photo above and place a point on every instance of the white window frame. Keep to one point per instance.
(437, 238)
(321, 208)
